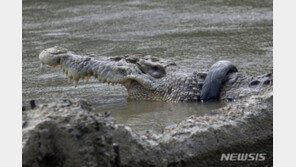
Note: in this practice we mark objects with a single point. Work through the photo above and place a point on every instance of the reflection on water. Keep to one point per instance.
(195, 34)
(143, 115)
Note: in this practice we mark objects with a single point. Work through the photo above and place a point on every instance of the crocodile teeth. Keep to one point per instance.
(86, 78)
(69, 80)
(76, 82)
(42, 67)
(56, 67)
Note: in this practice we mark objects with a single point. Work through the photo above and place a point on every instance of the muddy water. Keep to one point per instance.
(195, 34)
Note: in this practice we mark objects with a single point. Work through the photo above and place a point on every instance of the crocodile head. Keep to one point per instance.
(116, 70)
(144, 76)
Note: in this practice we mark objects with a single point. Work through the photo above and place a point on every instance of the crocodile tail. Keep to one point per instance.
(216, 76)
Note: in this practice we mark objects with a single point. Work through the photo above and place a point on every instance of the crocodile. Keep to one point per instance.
(147, 77)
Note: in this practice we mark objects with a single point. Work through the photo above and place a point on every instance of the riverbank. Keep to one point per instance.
(69, 133)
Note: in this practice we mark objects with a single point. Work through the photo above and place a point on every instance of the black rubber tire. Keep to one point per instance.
(215, 78)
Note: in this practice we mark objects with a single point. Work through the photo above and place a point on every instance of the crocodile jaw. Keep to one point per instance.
(105, 71)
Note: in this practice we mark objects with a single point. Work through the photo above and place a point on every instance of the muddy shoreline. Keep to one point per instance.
(69, 133)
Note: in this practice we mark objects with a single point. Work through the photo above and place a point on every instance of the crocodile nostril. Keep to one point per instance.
(254, 83)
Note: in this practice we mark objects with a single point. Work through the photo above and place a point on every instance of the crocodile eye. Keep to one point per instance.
(157, 74)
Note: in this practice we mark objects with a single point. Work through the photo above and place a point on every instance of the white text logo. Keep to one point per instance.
(243, 156)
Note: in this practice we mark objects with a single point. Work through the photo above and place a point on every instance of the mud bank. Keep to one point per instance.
(69, 133)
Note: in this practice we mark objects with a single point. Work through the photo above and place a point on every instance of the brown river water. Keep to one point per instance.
(193, 33)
